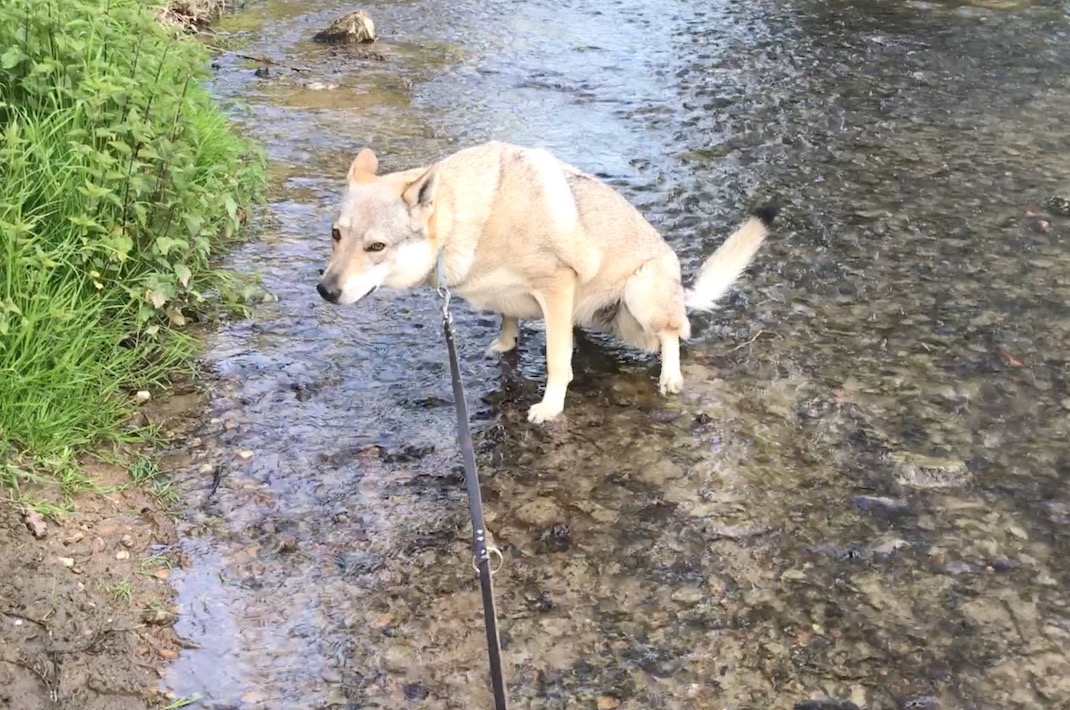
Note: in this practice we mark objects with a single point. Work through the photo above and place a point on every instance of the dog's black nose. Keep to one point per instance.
(328, 294)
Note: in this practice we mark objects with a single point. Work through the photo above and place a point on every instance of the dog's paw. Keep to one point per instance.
(500, 345)
(671, 383)
(544, 411)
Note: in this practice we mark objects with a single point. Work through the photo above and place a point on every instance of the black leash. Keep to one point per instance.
(480, 549)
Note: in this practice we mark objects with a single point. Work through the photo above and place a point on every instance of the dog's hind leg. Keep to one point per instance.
(508, 337)
(654, 298)
(557, 309)
(671, 380)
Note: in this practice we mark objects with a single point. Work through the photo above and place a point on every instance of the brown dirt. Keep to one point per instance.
(194, 14)
(85, 611)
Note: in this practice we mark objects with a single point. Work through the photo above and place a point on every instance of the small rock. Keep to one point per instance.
(253, 697)
(142, 396)
(356, 27)
(608, 702)
(35, 522)
(302, 394)
(126, 541)
(162, 573)
(138, 420)
(1065, 404)
(66, 561)
(416, 691)
(76, 538)
(884, 503)
(396, 660)
(405, 454)
(1059, 205)
(1018, 532)
(122, 555)
(540, 512)
(688, 595)
(287, 543)
(245, 454)
(1040, 225)
(890, 546)
(918, 471)
(167, 654)
(829, 704)
(158, 617)
(557, 539)
(206, 469)
(383, 621)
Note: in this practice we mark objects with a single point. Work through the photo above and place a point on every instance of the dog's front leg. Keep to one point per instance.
(557, 306)
(508, 338)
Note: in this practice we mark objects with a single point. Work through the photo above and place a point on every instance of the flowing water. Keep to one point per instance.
(860, 497)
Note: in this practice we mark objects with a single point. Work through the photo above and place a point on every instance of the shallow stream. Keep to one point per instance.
(862, 494)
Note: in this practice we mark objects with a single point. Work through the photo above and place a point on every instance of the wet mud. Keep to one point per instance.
(858, 501)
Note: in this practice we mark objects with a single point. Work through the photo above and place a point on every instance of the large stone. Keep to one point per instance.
(356, 27)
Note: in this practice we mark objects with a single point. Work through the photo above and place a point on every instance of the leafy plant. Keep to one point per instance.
(119, 181)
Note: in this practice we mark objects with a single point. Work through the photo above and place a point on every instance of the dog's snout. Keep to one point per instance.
(329, 293)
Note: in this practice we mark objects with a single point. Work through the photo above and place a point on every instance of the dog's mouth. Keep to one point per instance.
(357, 288)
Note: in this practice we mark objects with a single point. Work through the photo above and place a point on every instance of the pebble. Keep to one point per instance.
(66, 561)
(881, 503)
(541, 512)
(142, 396)
(158, 617)
(287, 543)
(122, 555)
(890, 546)
(245, 454)
(35, 523)
(688, 595)
(1018, 532)
(396, 660)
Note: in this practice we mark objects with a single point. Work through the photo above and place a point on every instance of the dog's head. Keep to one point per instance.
(382, 235)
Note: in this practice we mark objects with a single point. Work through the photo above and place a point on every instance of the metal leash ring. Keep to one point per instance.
(494, 550)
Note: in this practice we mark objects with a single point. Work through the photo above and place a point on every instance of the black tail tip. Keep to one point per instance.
(767, 212)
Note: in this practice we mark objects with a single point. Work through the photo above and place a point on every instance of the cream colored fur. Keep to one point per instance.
(528, 236)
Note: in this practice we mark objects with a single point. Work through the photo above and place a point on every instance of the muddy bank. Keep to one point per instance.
(86, 611)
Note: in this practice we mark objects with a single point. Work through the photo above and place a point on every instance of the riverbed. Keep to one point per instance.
(859, 497)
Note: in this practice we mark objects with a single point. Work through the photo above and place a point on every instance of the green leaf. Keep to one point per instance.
(10, 58)
(165, 244)
(119, 243)
(184, 274)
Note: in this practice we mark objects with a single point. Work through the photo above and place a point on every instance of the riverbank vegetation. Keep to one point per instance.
(120, 180)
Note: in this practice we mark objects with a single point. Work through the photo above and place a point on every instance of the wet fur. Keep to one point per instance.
(528, 236)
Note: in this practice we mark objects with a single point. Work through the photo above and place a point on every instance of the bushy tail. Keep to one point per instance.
(721, 270)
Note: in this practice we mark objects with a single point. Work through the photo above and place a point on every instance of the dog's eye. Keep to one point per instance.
(336, 234)
(375, 246)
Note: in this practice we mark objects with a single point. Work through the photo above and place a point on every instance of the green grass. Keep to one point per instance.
(119, 181)
(123, 591)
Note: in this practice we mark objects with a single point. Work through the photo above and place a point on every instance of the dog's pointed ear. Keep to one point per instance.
(363, 167)
(419, 194)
